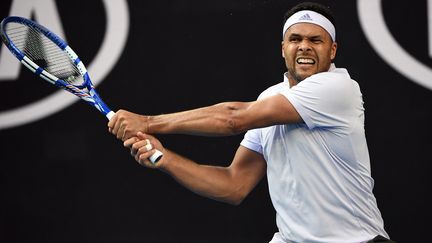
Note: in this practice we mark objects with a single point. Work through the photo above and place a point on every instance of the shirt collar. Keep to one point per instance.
(331, 69)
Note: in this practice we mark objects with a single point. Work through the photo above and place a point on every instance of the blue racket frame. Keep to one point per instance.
(86, 91)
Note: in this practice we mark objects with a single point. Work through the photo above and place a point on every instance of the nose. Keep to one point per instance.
(304, 45)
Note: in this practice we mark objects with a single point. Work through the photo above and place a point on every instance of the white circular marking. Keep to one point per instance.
(373, 24)
(114, 41)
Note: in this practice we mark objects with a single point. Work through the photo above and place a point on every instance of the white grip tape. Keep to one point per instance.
(156, 156)
(148, 147)
(110, 114)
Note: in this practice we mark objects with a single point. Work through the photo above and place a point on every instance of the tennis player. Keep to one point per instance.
(307, 134)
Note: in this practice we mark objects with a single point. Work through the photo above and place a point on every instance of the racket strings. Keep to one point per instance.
(44, 53)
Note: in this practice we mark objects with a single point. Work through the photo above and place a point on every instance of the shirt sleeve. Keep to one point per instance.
(323, 100)
(252, 140)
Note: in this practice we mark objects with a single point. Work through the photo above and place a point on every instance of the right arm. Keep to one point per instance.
(227, 184)
(222, 119)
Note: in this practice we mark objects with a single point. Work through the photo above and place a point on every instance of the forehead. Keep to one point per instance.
(307, 29)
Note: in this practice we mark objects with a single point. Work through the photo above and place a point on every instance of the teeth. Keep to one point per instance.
(305, 61)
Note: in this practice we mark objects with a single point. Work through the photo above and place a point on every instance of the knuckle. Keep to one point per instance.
(127, 130)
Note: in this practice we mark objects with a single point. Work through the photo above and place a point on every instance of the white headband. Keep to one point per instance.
(308, 16)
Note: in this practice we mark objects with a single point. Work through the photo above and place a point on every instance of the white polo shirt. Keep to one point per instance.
(319, 171)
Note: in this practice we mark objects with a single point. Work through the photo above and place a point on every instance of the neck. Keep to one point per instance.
(293, 81)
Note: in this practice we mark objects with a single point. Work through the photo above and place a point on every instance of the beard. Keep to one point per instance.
(295, 76)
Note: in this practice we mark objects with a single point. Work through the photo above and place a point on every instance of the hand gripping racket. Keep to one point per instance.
(51, 58)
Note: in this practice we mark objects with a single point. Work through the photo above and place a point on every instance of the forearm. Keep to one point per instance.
(217, 120)
(223, 119)
(212, 182)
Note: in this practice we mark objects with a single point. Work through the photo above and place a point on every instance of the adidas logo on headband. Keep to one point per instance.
(305, 17)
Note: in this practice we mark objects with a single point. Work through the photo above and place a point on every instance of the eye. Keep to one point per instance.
(294, 39)
(316, 40)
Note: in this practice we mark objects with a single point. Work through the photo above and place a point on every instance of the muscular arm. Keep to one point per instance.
(227, 184)
(223, 119)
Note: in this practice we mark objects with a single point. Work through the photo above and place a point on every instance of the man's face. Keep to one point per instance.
(307, 49)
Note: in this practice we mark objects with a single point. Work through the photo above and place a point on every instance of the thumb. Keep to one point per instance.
(141, 135)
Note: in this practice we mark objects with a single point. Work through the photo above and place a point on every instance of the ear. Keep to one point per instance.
(282, 49)
(333, 51)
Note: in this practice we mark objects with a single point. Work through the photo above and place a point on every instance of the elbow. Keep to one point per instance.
(233, 126)
(235, 198)
(235, 123)
(232, 198)
(237, 201)
(231, 118)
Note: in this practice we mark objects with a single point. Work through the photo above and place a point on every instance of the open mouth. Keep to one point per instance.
(303, 60)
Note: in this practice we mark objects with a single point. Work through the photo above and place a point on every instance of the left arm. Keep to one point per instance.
(229, 184)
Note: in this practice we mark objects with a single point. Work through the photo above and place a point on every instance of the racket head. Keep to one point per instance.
(34, 44)
(50, 57)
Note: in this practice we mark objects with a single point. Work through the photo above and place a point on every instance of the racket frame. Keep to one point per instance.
(86, 91)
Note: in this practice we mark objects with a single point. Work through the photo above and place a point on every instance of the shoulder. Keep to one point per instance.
(336, 82)
(334, 76)
(326, 99)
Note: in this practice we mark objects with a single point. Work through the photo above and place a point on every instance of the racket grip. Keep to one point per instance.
(156, 156)
(110, 114)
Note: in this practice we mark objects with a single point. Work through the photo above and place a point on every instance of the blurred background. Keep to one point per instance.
(64, 178)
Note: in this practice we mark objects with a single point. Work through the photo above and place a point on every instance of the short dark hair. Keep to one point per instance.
(316, 7)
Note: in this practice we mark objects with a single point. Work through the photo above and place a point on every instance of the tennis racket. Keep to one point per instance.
(51, 58)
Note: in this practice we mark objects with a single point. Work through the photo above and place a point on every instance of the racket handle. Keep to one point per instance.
(110, 114)
(157, 154)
